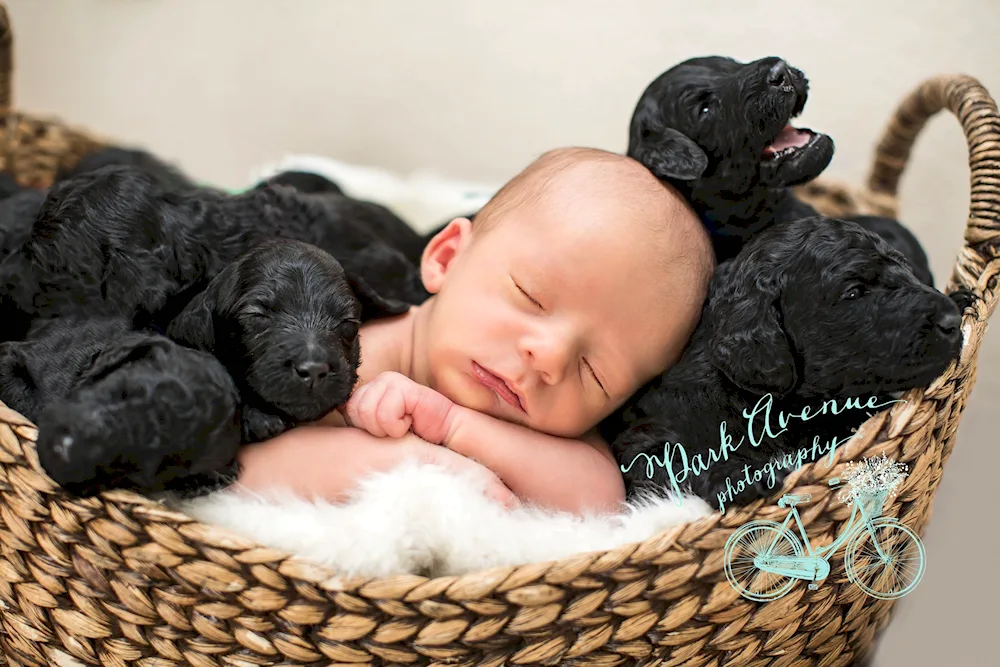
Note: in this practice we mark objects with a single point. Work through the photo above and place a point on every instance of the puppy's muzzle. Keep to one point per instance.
(778, 76)
(948, 325)
(311, 371)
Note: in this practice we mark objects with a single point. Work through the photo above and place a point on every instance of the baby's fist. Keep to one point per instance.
(392, 404)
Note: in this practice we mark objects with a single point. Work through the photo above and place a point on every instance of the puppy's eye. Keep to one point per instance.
(255, 311)
(854, 292)
(706, 103)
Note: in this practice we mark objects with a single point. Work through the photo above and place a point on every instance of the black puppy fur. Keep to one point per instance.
(17, 215)
(113, 242)
(169, 177)
(707, 126)
(811, 310)
(303, 181)
(710, 127)
(903, 240)
(283, 319)
(390, 260)
(117, 408)
(8, 185)
(375, 223)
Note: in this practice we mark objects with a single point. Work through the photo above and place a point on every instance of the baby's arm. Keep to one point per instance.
(328, 463)
(573, 475)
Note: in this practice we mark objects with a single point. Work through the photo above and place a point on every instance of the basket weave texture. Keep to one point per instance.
(119, 580)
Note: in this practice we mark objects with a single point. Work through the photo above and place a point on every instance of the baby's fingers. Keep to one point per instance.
(391, 413)
(361, 409)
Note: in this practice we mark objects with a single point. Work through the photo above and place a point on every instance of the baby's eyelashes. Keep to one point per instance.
(530, 298)
(593, 374)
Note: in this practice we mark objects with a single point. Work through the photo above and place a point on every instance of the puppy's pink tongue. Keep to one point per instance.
(789, 137)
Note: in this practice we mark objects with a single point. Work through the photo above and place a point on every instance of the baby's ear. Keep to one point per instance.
(373, 304)
(442, 250)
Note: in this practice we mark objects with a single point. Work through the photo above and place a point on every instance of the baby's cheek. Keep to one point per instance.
(568, 417)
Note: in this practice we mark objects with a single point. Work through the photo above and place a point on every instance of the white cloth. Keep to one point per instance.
(422, 519)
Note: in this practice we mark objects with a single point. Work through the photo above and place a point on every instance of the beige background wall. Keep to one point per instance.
(475, 89)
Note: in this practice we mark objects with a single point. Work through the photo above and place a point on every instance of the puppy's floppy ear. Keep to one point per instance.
(121, 352)
(373, 305)
(668, 153)
(195, 325)
(748, 343)
(673, 155)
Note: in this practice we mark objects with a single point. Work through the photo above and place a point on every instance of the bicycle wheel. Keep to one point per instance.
(750, 541)
(897, 574)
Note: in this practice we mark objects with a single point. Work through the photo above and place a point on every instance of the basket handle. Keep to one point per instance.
(6, 57)
(965, 97)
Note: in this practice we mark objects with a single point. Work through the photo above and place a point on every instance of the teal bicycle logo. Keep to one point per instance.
(884, 558)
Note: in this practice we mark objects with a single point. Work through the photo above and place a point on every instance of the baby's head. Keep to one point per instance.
(582, 279)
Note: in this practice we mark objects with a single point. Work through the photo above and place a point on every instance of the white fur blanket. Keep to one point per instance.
(420, 518)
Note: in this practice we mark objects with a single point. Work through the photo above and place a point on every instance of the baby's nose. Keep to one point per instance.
(550, 358)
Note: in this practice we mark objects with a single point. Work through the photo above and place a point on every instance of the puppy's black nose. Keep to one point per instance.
(312, 371)
(778, 75)
(949, 323)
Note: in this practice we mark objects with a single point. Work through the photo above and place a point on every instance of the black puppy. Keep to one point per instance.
(375, 223)
(284, 320)
(17, 216)
(114, 242)
(387, 252)
(719, 131)
(811, 310)
(117, 408)
(169, 177)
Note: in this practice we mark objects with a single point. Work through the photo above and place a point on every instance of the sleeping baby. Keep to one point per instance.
(582, 279)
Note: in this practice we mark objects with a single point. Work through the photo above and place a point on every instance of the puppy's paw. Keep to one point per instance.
(963, 297)
(258, 425)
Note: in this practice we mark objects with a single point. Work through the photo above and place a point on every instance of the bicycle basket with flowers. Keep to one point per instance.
(871, 482)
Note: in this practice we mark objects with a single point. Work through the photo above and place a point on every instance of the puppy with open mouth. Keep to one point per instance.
(721, 131)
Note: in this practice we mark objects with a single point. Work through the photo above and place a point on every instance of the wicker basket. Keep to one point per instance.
(119, 580)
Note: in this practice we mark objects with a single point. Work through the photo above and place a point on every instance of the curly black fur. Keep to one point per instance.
(169, 177)
(704, 125)
(903, 240)
(283, 319)
(374, 223)
(113, 242)
(303, 181)
(17, 216)
(811, 310)
(117, 408)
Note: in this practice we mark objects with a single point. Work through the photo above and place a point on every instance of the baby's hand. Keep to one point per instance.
(393, 404)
